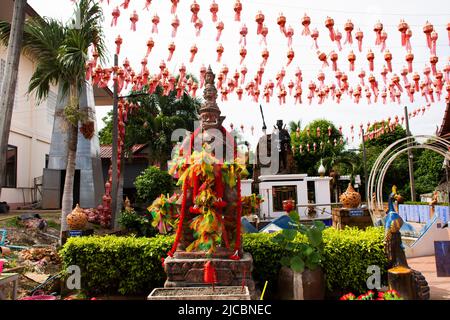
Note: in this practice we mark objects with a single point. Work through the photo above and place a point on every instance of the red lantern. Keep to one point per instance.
(348, 27)
(359, 37)
(388, 59)
(116, 15)
(220, 26)
(243, 72)
(402, 27)
(219, 51)
(281, 21)
(150, 44)
(118, 43)
(198, 27)
(351, 58)
(408, 35)
(290, 56)
(193, 51)
(265, 56)
(370, 57)
(237, 10)
(314, 36)
(171, 50)
(214, 8)
(259, 20)
(264, 33)
(433, 61)
(434, 37)
(147, 4)
(338, 38)
(134, 18)
(427, 29)
(334, 58)
(409, 59)
(329, 24)
(378, 28)
(173, 9)
(243, 32)
(243, 54)
(155, 21)
(195, 8)
(383, 40)
(175, 24)
(306, 21)
(289, 34)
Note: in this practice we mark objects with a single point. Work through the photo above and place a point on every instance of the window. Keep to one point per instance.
(11, 167)
(51, 106)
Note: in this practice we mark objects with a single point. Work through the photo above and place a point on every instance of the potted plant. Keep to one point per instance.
(301, 266)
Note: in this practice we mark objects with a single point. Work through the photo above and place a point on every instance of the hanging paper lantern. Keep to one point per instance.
(434, 37)
(408, 35)
(290, 56)
(359, 37)
(322, 57)
(195, 8)
(214, 8)
(171, 49)
(370, 57)
(118, 43)
(125, 4)
(259, 21)
(134, 18)
(321, 78)
(243, 72)
(351, 58)
(198, 27)
(193, 51)
(243, 32)
(409, 59)
(175, 24)
(265, 56)
(147, 4)
(239, 92)
(333, 59)
(383, 40)
(264, 33)
(314, 36)
(219, 51)
(220, 26)
(281, 21)
(427, 29)
(388, 59)
(348, 27)
(306, 21)
(329, 24)
(116, 15)
(243, 54)
(237, 10)
(338, 38)
(448, 32)
(290, 86)
(155, 21)
(433, 61)
(377, 29)
(289, 34)
(361, 76)
(173, 9)
(402, 27)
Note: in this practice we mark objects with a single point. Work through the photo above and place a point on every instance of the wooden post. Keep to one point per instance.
(115, 138)
(401, 280)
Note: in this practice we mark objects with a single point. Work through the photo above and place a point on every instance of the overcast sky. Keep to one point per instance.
(364, 14)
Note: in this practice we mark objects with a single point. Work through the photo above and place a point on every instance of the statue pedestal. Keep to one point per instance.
(186, 270)
(357, 217)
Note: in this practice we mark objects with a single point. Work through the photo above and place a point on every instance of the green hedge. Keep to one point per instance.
(131, 265)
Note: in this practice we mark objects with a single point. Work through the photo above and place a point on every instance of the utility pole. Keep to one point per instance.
(8, 86)
(365, 166)
(115, 138)
(410, 159)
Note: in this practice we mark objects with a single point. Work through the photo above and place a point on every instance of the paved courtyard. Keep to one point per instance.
(439, 286)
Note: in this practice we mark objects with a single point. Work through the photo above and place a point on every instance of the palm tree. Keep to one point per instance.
(8, 86)
(61, 54)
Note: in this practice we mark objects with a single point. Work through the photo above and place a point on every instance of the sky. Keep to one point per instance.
(364, 14)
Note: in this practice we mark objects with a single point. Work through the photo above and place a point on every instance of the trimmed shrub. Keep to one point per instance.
(133, 265)
(152, 183)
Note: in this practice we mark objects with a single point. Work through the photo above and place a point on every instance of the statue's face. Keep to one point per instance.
(280, 125)
(209, 120)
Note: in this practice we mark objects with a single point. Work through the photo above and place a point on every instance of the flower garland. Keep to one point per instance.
(164, 213)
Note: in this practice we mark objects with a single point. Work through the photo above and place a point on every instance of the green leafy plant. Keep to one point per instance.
(152, 183)
(370, 295)
(306, 255)
(136, 223)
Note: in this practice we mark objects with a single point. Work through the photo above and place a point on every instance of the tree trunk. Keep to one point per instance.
(8, 87)
(67, 199)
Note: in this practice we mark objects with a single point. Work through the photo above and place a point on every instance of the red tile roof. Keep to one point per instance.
(106, 150)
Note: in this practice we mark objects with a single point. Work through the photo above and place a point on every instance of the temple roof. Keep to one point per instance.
(444, 130)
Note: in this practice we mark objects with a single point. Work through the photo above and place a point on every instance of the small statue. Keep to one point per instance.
(283, 146)
(127, 204)
(433, 202)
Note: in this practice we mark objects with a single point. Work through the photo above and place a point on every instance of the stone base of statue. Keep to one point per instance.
(186, 269)
(357, 217)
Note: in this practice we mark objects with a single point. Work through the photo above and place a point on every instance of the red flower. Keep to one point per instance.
(195, 210)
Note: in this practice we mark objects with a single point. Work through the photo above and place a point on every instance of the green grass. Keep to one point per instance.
(13, 223)
(53, 224)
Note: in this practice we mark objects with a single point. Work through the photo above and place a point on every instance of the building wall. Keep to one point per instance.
(31, 129)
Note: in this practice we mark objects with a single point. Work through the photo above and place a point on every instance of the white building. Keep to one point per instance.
(31, 128)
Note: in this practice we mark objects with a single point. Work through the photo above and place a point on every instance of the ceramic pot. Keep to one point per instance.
(350, 198)
(77, 219)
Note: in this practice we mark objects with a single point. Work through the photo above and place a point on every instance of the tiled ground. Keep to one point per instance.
(439, 286)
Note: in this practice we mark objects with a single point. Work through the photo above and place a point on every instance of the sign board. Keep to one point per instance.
(356, 212)
(75, 233)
